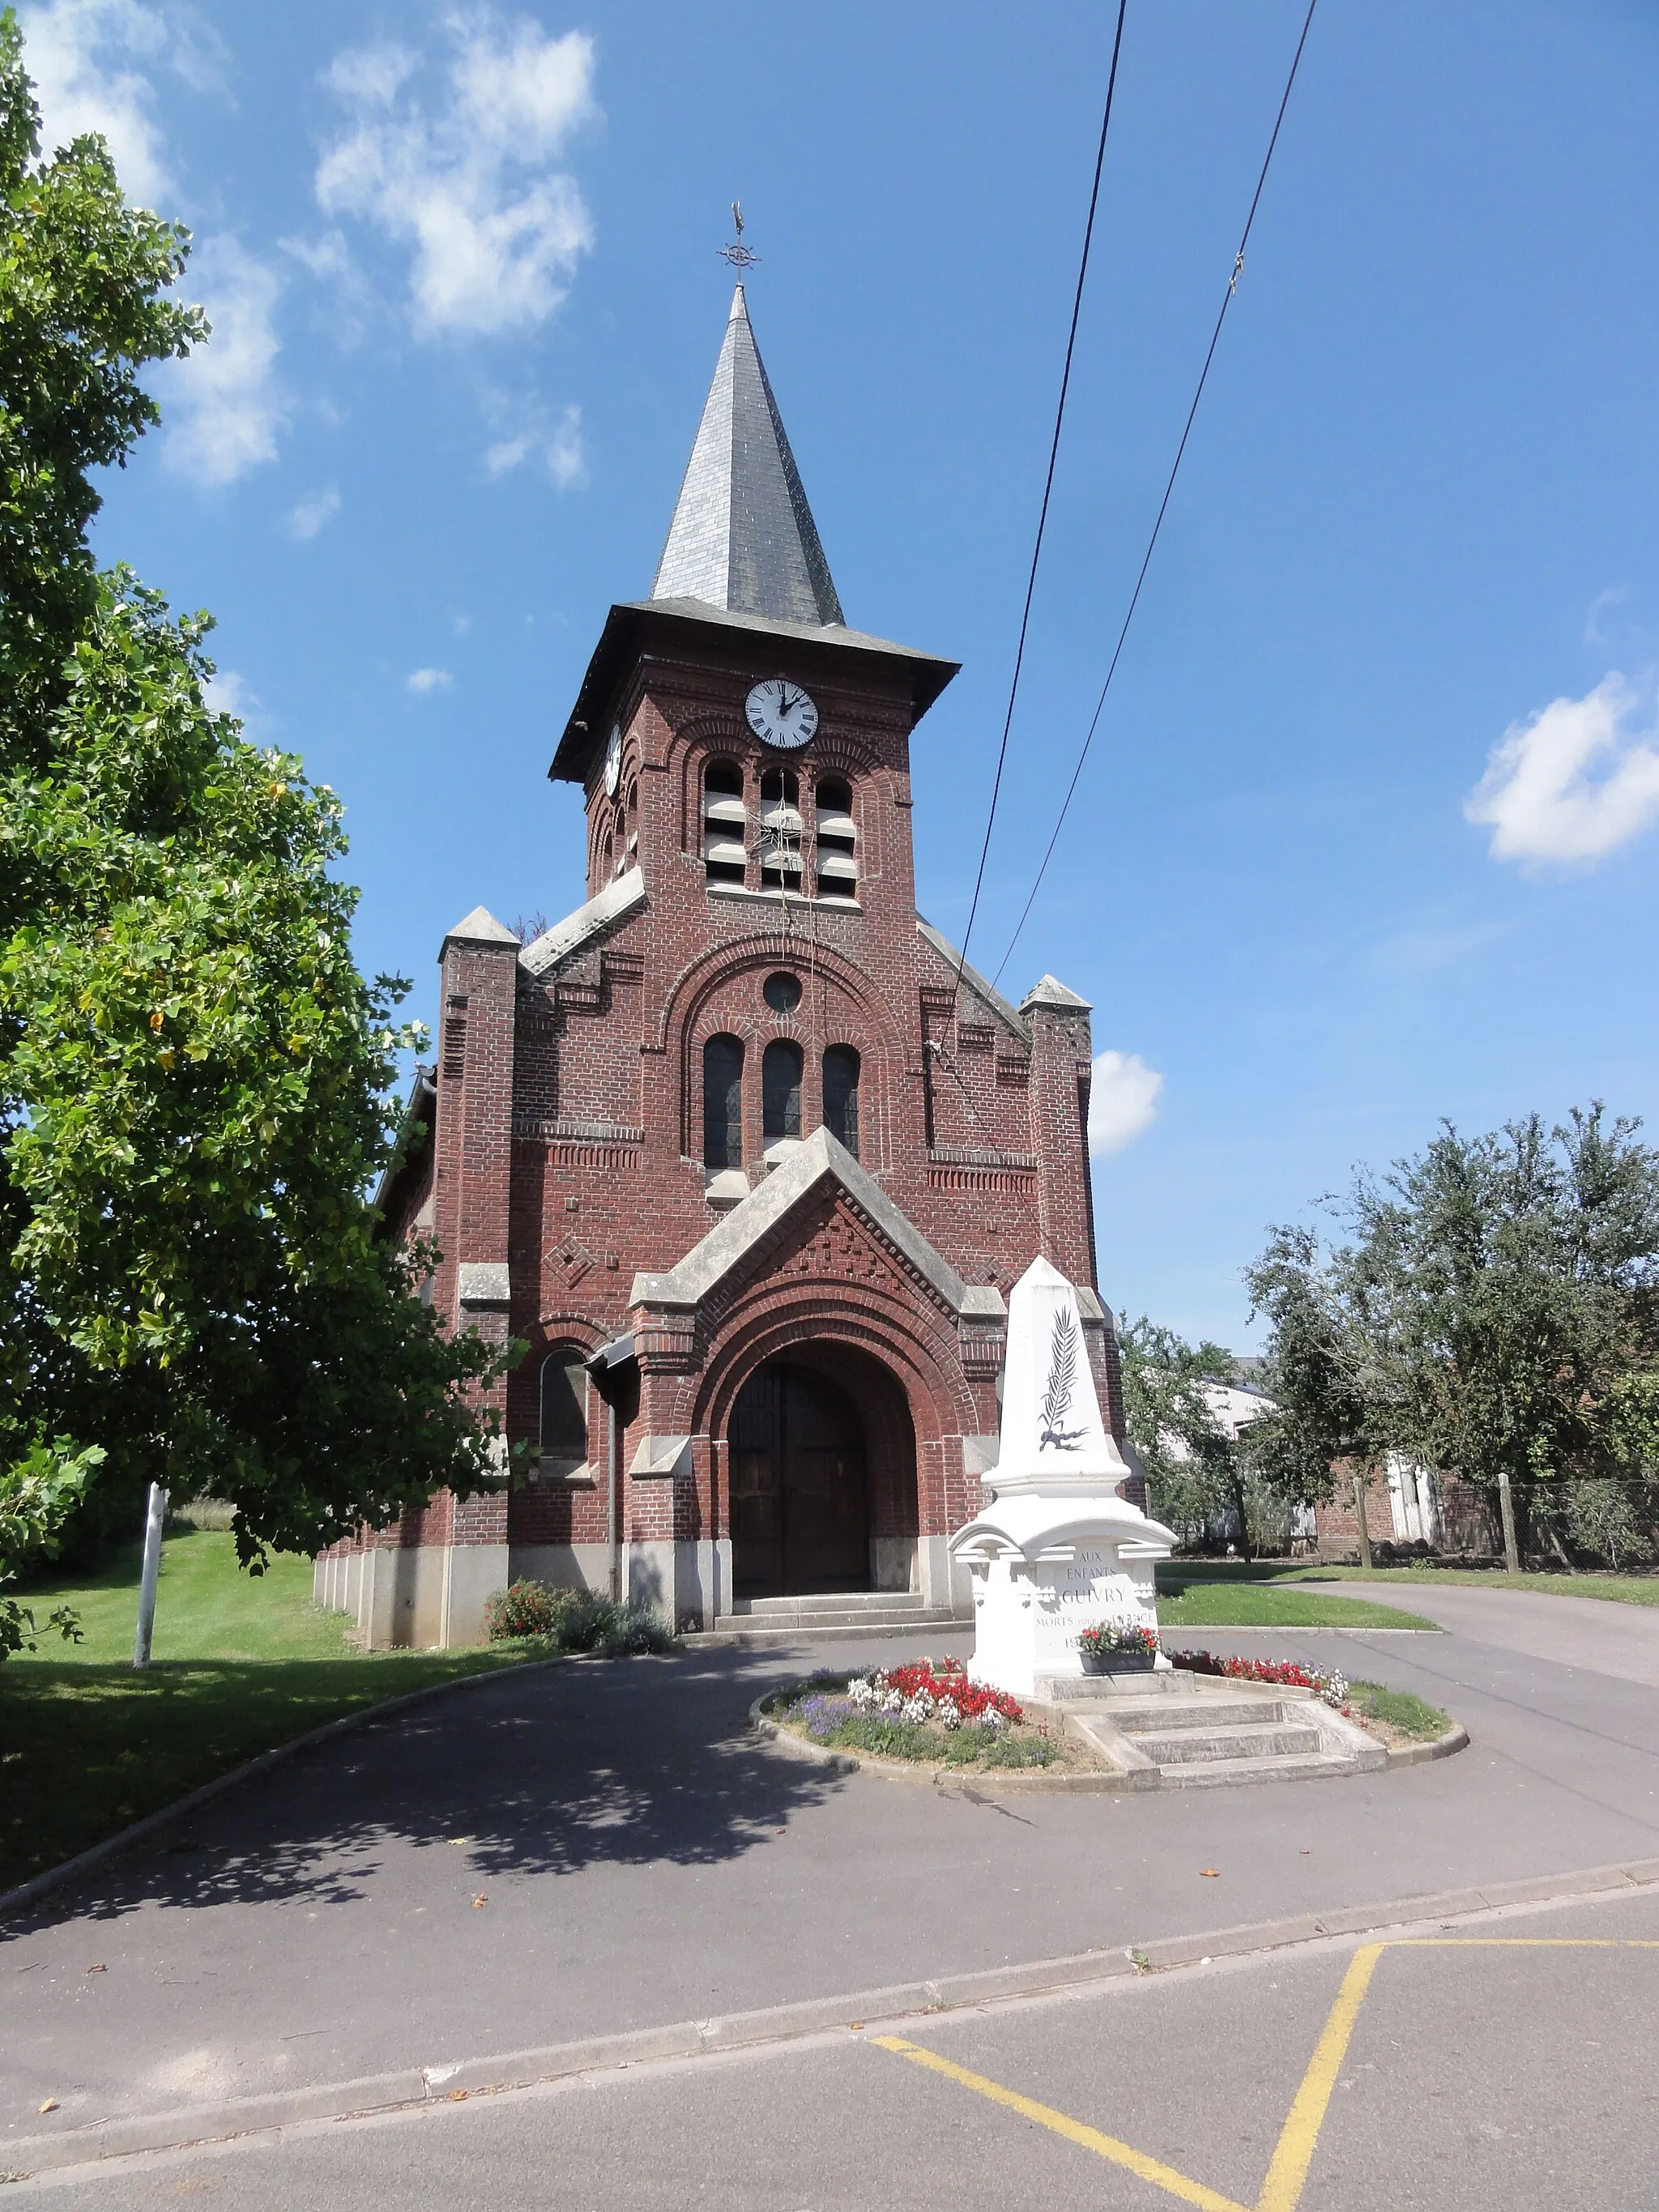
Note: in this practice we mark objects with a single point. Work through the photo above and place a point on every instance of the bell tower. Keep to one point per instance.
(742, 1149)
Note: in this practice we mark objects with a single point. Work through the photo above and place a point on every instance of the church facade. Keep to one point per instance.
(740, 1149)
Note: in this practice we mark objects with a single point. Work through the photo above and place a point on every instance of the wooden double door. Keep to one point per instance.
(799, 1495)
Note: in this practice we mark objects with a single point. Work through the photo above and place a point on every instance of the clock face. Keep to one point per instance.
(781, 714)
(612, 763)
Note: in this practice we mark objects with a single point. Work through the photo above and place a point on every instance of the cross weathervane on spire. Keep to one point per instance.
(740, 256)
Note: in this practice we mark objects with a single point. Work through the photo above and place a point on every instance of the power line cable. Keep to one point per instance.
(1134, 597)
(1043, 515)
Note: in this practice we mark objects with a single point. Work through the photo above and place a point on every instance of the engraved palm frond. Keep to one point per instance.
(1062, 1380)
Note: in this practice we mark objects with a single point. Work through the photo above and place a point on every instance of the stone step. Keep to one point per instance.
(1296, 1767)
(837, 1601)
(1201, 1747)
(1162, 1714)
(745, 1631)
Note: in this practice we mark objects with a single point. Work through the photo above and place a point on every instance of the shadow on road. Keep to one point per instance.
(630, 1761)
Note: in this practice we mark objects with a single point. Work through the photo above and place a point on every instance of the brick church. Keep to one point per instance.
(740, 1148)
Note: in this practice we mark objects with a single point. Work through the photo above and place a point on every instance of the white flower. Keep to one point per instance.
(950, 1713)
(890, 1701)
(860, 1695)
(918, 1708)
(993, 1718)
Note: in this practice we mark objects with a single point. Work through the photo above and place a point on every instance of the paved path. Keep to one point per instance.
(642, 1860)
(1472, 2075)
(1594, 1633)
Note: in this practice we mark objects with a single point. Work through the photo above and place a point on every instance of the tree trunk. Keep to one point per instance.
(1359, 1482)
(1506, 1507)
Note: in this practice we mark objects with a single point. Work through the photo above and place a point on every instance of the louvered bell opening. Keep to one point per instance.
(780, 871)
(781, 820)
(836, 825)
(723, 855)
(723, 810)
(838, 871)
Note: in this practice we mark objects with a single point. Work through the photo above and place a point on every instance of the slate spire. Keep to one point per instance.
(743, 537)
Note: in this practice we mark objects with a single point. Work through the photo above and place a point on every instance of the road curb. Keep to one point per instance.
(1457, 1738)
(40, 1885)
(423, 2087)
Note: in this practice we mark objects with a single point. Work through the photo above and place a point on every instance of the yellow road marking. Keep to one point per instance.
(1293, 2153)
(1287, 2175)
(1120, 2154)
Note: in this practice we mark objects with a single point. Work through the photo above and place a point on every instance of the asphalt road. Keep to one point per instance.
(1518, 2070)
(641, 1861)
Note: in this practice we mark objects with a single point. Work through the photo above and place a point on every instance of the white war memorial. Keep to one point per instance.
(1055, 1550)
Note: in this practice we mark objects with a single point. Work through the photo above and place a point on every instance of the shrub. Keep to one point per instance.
(574, 1621)
(1609, 1519)
(525, 1609)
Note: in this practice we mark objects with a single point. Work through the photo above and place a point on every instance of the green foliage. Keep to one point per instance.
(574, 1621)
(83, 280)
(1490, 1307)
(1187, 1458)
(194, 1079)
(1399, 1709)
(38, 1493)
(927, 1743)
(523, 1608)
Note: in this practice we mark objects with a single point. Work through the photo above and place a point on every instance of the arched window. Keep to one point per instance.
(722, 1103)
(632, 845)
(724, 823)
(780, 1068)
(564, 1410)
(841, 1095)
(837, 839)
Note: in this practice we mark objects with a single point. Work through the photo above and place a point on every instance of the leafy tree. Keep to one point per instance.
(1492, 1311)
(194, 1078)
(1195, 1472)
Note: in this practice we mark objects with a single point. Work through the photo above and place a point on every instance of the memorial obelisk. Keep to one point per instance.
(1054, 1549)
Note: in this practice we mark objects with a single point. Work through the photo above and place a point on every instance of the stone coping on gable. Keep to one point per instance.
(822, 1157)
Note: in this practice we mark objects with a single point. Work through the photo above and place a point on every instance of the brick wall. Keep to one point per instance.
(569, 1124)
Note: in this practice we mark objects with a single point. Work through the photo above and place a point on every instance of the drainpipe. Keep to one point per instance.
(616, 1372)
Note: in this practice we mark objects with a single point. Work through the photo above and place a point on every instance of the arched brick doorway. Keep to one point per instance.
(822, 1476)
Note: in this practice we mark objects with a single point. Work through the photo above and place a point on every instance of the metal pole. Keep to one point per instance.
(153, 1526)
(613, 1468)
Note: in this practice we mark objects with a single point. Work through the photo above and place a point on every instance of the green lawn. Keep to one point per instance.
(1400, 1710)
(241, 1664)
(1205, 1601)
(1617, 1589)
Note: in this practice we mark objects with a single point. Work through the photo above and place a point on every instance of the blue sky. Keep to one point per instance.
(1368, 834)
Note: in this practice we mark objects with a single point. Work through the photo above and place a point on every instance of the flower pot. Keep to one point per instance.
(1117, 1662)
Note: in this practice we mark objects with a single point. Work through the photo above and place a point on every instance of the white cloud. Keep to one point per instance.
(314, 512)
(1538, 795)
(78, 51)
(429, 679)
(227, 693)
(559, 449)
(227, 408)
(469, 181)
(1603, 602)
(1122, 1100)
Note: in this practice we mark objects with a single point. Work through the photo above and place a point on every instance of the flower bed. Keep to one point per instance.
(929, 1713)
(1284, 1673)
